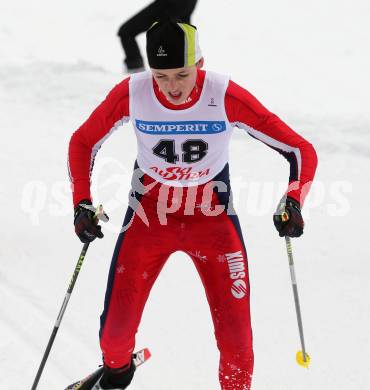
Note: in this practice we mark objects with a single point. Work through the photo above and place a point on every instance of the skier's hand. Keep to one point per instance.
(288, 218)
(86, 222)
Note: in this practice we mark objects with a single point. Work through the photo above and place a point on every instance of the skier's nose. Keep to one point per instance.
(173, 84)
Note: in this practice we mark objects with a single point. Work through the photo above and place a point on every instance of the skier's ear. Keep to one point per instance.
(200, 63)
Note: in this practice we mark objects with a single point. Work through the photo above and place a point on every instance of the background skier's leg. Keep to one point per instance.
(133, 27)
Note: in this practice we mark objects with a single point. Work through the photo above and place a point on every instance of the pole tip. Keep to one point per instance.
(303, 360)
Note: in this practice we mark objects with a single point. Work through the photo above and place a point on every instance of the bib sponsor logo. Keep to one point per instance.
(237, 271)
(212, 103)
(186, 127)
(178, 173)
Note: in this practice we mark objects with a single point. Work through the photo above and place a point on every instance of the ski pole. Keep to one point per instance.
(99, 214)
(302, 357)
(60, 315)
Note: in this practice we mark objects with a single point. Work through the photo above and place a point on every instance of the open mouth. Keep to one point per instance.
(175, 95)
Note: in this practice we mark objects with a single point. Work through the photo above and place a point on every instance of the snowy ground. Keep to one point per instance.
(309, 63)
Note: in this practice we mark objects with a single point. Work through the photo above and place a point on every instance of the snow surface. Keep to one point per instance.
(306, 61)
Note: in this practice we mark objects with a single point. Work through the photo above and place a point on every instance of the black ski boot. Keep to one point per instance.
(106, 378)
(117, 378)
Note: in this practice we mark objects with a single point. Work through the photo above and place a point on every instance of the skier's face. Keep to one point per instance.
(176, 84)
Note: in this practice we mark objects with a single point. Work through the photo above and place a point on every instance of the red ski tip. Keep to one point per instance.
(141, 356)
(147, 353)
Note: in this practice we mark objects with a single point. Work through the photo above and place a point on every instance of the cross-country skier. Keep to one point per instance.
(183, 118)
(139, 23)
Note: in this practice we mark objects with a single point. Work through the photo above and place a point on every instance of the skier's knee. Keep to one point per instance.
(124, 31)
(235, 348)
(237, 352)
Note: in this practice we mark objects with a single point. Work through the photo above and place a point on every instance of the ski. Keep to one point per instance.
(91, 382)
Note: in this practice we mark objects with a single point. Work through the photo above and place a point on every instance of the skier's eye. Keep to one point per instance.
(182, 75)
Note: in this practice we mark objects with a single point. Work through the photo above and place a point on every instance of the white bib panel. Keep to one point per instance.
(181, 147)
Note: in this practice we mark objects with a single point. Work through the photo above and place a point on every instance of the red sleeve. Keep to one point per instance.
(246, 112)
(87, 140)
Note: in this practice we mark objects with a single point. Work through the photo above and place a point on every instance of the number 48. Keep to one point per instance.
(193, 150)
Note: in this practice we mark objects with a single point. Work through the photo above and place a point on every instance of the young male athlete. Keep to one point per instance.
(183, 118)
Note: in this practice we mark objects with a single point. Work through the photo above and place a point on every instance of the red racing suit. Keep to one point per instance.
(212, 238)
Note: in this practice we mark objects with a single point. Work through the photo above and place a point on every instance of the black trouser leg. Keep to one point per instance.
(133, 27)
(180, 9)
